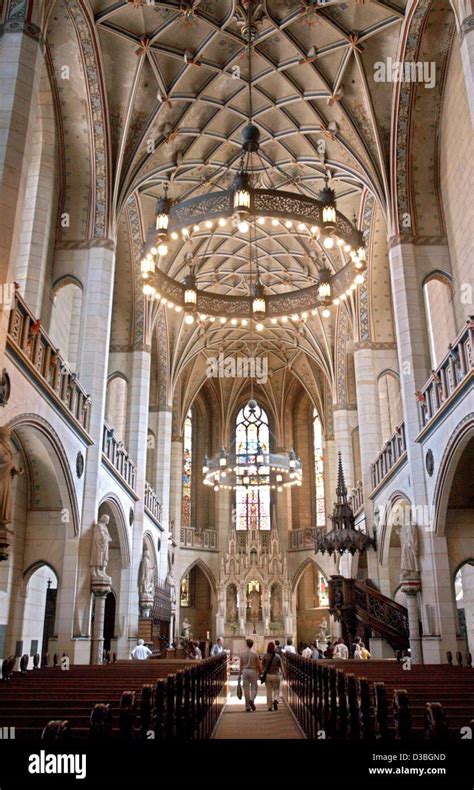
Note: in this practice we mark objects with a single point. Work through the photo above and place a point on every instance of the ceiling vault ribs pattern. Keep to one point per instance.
(177, 83)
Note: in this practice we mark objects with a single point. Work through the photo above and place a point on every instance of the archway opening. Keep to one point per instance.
(196, 606)
(312, 604)
(39, 619)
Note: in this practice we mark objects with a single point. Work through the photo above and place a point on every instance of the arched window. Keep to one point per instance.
(252, 436)
(438, 298)
(116, 404)
(187, 470)
(319, 470)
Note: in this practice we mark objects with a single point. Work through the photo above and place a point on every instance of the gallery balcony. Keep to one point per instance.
(200, 539)
(356, 498)
(451, 378)
(117, 459)
(303, 539)
(390, 458)
(152, 504)
(35, 355)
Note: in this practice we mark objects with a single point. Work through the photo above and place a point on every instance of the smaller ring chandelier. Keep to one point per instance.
(245, 206)
(256, 466)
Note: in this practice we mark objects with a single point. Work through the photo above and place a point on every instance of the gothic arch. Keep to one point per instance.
(113, 503)
(454, 449)
(206, 571)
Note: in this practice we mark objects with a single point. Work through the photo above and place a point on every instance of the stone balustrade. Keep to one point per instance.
(35, 349)
(152, 503)
(356, 497)
(114, 452)
(199, 539)
(304, 538)
(394, 450)
(452, 372)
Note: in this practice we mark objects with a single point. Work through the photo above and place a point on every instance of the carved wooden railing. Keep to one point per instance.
(356, 497)
(354, 602)
(152, 503)
(304, 538)
(199, 539)
(34, 347)
(394, 449)
(449, 376)
(113, 450)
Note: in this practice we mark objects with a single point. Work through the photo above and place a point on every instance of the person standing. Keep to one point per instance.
(307, 652)
(218, 648)
(250, 669)
(141, 652)
(271, 675)
(341, 650)
(289, 647)
(278, 647)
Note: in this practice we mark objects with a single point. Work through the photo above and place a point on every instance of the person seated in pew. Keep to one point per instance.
(141, 652)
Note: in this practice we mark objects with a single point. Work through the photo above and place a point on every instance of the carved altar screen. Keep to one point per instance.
(252, 437)
(319, 470)
(187, 470)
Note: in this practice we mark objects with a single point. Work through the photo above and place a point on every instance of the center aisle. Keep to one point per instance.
(235, 723)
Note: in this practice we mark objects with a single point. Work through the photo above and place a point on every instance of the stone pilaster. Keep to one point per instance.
(163, 477)
(411, 587)
(345, 420)
(100, 591)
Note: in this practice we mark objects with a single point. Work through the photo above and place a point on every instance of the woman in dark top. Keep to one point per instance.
(271, 675)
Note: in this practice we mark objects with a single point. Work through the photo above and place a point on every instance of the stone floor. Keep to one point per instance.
(262, 724)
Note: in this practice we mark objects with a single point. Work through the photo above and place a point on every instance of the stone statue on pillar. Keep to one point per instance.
(409, 564)
(146, 583)
(100, 551)
(8, 470)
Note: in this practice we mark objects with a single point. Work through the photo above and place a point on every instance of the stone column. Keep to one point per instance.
(467, 580)
(368, 364)
(20, 66)
(463, 12)
(409, 264)
(94, 267)
(411, 587)
(345, 420)
(136, 443)
(100, 591)
(163, 470)
(176, 485)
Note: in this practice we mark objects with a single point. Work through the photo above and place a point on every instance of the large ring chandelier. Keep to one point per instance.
(247, 206)
(252, 466)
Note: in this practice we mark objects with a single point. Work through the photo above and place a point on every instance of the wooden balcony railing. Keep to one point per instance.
(27, 338)
(451, 373)
(152, 503)
(199, 539)
(394, 449)
(113, 450)
(356, 497)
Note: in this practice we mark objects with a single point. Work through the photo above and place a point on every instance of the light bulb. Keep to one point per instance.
(261, 220)
(222, 222)
(314, 229)
(244, 322)
(162, 249)
(274, 320)
(154, 251)
(347, 248)
(208, 223)
(274, 222)
(243, 226)
(336, 301)
(259, 327)
(328, 242)
(301, 226)
(234, 322)
(222, 320)
(196, 228)
(288, 223)
(359, 279)
(326, 312)
(174, 235)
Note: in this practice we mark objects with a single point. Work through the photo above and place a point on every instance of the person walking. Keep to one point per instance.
(250, 669)
(271, 675)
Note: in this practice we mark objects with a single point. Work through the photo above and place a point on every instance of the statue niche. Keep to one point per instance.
(276, 603)
(254, 601)
(232, 612)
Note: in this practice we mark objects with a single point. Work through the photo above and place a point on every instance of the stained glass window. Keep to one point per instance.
(323, 592)
(319, 470)
(187, 471)
(252, 437)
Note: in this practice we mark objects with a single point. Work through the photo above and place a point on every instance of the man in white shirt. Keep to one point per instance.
(289, 647)
(341, 650)
(250, 669)
(141, 652)
(307, 652)
(218, 648)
